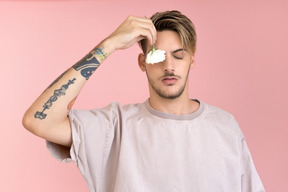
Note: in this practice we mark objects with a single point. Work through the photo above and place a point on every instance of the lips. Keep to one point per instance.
(169, 80)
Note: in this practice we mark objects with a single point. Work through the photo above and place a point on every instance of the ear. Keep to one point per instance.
(192, 61)
(141, 62)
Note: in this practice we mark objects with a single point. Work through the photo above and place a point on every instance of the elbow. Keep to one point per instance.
(28, 122)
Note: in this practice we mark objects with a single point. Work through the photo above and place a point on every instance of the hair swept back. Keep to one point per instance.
(174, 21)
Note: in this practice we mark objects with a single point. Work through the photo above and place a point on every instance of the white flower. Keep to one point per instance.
(155, 56)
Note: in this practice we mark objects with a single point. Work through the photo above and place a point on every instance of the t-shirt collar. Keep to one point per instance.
(164, 115)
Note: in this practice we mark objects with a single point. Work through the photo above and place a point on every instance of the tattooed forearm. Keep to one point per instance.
(57, 93)
(90, 63)
(55, 81)
(101, 53)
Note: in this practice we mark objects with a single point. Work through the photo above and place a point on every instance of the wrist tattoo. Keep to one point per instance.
(101, 53)
(57, 93)
(90, 63)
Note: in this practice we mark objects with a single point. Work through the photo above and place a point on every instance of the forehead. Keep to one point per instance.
(168, 39)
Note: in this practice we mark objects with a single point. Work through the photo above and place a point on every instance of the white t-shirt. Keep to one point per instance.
(135, 148)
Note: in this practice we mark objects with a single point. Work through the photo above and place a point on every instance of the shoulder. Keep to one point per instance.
(221, 119)
(110, 111)
(216, 113)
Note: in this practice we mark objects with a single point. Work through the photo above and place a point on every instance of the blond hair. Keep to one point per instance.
(174, 21)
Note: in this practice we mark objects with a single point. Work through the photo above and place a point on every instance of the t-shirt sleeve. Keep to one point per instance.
(59, 152)
(93, 134)
(250, 179)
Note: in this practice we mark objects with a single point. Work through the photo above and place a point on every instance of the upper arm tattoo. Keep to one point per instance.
(89, 64)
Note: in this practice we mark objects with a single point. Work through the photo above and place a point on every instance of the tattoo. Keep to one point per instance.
(57, 93)
(101, 54)
(69, 107)
(55, 81)
(90, 63)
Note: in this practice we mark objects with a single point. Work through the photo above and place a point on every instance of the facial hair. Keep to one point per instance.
(162, 93)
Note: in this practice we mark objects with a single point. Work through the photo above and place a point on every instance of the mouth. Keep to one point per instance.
(170, 80)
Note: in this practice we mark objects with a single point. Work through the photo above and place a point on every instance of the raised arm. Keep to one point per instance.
(48, 117)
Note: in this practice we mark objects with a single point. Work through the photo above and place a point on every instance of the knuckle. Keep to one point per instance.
(132, 22)
(130, 17)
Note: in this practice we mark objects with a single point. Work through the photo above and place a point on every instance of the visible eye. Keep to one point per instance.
(178, 55)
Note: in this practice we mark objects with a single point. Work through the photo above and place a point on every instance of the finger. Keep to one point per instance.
(149, 26)
(142, 19)
(146, 34)
(154, 31)
(145, 23)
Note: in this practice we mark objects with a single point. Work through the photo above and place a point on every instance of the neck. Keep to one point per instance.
(178, 106)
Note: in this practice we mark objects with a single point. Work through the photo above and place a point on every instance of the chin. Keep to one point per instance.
(167, 95)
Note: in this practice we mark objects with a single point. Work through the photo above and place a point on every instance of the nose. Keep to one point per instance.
(169, 65)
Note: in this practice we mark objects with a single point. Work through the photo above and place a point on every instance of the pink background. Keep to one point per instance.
(241, 66)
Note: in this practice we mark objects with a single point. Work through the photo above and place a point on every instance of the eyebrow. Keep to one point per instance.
(177, 50)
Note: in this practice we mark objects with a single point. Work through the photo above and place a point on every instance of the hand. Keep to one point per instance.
(132, 30)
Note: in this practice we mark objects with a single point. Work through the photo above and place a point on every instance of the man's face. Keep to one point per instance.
(168, 79)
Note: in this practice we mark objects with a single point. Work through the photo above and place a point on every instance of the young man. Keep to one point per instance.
(168, 143)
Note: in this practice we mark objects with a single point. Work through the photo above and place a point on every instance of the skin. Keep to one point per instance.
(168, 80)
(47, 117)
